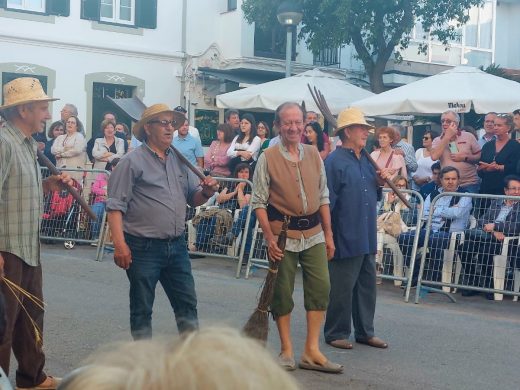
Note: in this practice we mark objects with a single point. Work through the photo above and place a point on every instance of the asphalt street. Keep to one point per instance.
(471, 344)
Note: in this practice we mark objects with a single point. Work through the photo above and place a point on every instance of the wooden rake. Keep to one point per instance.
(320, 101)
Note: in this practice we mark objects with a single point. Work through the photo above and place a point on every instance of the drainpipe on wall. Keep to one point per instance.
(185, 56)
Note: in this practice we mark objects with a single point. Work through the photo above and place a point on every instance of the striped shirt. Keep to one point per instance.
(21, 199)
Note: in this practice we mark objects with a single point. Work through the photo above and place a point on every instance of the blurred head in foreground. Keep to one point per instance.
(212, 358)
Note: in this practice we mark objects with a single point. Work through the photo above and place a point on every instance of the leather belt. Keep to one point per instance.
(303, 222)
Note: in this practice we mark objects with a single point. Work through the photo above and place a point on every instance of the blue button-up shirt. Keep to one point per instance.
(353, 194)
(189, 146)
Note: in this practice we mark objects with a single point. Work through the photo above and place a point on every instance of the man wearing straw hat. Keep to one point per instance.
(25, 109)
(147, 196)
(290, 181)
(354, 188)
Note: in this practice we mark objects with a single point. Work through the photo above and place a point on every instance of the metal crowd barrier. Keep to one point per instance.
(477, 258)
(63, 219)
(397, 261)
(258, 256)
(220, 231)
(390, 255)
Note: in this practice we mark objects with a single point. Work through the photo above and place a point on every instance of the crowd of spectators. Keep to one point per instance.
(455, 161)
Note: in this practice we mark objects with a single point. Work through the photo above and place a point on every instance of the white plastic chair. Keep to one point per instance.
(450, 257)
(389, 242)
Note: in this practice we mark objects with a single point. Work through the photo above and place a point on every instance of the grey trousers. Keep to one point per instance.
(352, 295)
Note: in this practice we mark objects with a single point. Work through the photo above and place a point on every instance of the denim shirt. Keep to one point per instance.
(353, 194)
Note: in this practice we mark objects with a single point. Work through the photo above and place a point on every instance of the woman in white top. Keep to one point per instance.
(70, 147)
(107, 148)
(423, 174)
(246, 145)
(385, 156)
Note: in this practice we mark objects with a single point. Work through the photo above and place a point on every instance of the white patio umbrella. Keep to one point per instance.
(458, 89)
(268, 96)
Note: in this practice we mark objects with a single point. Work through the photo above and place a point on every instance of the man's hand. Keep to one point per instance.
(209, 185)
(41, 146)
(458, 157)
(1, 267)
(56, 182)
(329, 245)
(386, 173)
(488, 227)
(122, 255)
(451, 131)
(275, 253)
(499, 236)
(398, 152)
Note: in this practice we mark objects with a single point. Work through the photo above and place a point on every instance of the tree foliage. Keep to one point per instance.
(497, 70)
(376, 28)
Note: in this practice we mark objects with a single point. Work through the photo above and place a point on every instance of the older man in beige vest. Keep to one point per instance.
(290, 181)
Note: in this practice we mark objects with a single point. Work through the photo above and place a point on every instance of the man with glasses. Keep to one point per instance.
(457, 149)
(147, 197)
(501, 219)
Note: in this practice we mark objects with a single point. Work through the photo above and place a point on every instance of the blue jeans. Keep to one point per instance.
(164, 261)
(98, 209)
(437, 242)
(240, 224)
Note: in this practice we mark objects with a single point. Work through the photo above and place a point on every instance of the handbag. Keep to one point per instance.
(391, 223)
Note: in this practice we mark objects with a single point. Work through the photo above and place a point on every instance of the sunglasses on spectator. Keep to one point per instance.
(504, 116)
(163, 123)
(426, 137)
(448, 121)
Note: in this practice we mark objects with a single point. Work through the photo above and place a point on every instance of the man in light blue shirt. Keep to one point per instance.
(450, 214)
(189, 146)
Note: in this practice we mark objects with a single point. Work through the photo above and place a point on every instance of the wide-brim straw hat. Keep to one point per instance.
(24, 90)
(350, 117)
(153, 111)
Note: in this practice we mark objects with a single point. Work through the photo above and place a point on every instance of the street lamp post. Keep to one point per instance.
(289, 14)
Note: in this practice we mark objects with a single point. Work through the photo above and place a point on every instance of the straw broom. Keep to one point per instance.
(257, 326)
(14, 288)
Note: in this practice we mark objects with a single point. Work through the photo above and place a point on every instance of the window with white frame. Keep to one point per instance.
(474, 46)
(117, 11)
(27, 5)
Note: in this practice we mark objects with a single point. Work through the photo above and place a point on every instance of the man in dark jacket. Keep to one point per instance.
(481, 244)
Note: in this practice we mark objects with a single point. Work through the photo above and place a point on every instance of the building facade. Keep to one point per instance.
(187, 52)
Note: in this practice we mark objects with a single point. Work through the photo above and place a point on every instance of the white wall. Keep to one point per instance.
(166, 39)
(74, 50)
(507, 45)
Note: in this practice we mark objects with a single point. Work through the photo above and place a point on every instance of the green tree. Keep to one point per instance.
(376, 28)
(497, 70)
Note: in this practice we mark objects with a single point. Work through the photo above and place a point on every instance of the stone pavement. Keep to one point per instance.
(472, 344)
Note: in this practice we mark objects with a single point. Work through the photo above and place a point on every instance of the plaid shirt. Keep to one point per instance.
(21, 200)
